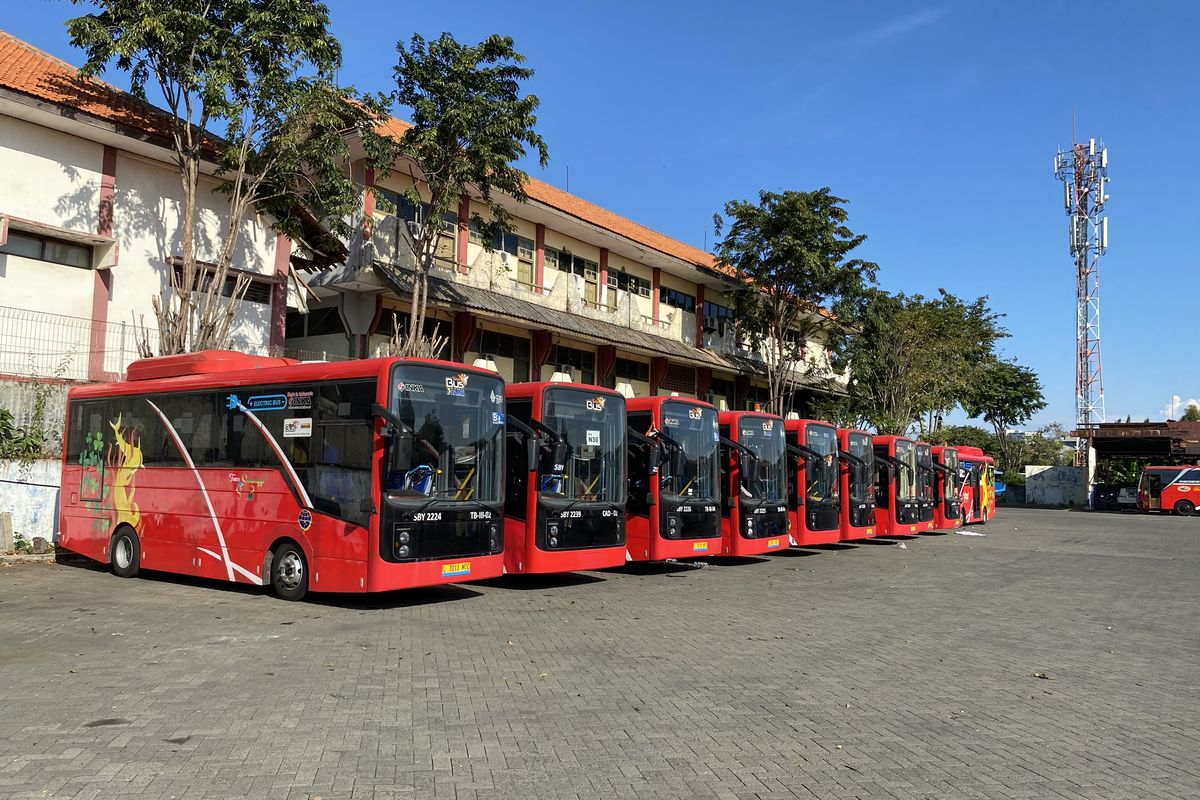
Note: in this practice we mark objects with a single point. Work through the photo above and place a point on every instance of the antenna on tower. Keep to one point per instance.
(1083, 170)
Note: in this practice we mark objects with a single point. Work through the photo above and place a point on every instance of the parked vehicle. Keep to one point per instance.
(1127, 498)
(979, 485)
(359, 476)
(947, 489)
(814, 486)
(754, 513)
(1169, 490)
(897, 510)
(858, 485)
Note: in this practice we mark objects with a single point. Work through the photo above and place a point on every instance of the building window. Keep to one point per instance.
(717, 317)
(629, 283)
(676, 298)
(259, 290)
(629, 370)
(47, 248)
(505, 346)
(581, 363)
(317, 322)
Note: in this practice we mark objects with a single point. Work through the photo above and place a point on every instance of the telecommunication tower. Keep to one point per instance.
(1083, 171)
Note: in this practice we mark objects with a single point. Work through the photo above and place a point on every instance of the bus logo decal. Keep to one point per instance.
(456, 569)
(456, 385)
(305, 519)
(596, 403)
(699, 547)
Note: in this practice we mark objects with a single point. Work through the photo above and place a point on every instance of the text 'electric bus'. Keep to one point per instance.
(926, 487)
(947, 489)
(815, 488)
(978, 473)
(754, 513)
(897, 512)
(565, 499)
(1169, 489)
(858, 484)
(358, 476)
(674, 506)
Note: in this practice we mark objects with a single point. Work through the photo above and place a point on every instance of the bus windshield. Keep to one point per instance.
(925, 472)
(821, 474)
(457, 420)
(592, 426)
(861, 474)
(762, 476)
(694, 470)
(906, 478)
(950, 459)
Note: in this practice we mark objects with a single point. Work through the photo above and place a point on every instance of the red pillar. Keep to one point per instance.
(606, 364)
(368, 196)
(658, 371)
(102, 278)
(464, 231)
(466, 331)
(539, 258)
(700, 316)
(703, 381)
(654, 284)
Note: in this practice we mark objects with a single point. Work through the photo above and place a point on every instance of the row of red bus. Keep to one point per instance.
(384, 474)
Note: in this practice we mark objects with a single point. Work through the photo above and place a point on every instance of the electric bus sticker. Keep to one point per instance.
(772, 543)
(456, 385)
(305, 519)
(699, 547)
(497, 417)
(297, 428)
(593, 438)
(456, 569)
(267, 402)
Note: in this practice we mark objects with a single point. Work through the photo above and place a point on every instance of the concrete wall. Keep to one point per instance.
(1055, 486)
(31, 492)
(20, 397)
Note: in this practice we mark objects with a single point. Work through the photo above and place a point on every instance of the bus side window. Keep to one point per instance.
(341, 447)
(638, 462)
(516, 463)
(1191, 476)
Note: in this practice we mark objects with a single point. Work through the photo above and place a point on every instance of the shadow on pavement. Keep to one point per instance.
(554, 580)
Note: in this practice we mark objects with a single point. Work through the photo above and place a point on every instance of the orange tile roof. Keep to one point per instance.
(590, 212)
(28, 70)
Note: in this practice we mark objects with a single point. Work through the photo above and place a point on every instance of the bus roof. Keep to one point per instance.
(650, 403)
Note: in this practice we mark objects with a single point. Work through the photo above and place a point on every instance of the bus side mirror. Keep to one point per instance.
(400, 452)
(560, 451)
(531, 452)
(654, 456)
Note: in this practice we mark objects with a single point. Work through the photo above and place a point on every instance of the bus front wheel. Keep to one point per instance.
(126, 553)
(1185, 508)
(289, 572)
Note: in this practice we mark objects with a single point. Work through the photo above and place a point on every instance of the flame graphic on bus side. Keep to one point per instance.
(125, 459)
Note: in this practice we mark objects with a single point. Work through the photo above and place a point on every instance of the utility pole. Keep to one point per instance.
(1083, 171)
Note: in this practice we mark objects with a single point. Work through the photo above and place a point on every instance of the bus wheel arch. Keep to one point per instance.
(1185, 508)
(125, 552)
(285, 569)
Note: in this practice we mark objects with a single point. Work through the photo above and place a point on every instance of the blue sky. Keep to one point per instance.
(937, 122)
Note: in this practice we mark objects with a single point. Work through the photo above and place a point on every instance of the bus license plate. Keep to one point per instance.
(454, 570)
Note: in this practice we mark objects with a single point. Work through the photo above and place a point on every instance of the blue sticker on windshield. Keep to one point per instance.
(497, 417)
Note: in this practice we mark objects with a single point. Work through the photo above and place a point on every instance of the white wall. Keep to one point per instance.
(49, 176)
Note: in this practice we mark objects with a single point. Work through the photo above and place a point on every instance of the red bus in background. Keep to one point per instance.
(926, 486)
(359, 476)
(858, 484)
(947, 489)
(978, 473)
(814, 485)
(674, 505)
(564, 507)
(1169, 490)
(754, 513)
(897, 511)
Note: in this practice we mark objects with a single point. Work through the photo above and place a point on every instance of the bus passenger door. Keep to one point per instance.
(1154, 487)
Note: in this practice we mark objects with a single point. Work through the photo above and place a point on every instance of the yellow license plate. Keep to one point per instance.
(454, 570)
(699, 547)
(772, 543)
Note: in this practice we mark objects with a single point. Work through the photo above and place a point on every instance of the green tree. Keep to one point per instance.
(913, 357)
(791, 254)
(470, 123)
(966, 436)
(1192, 414)
(261, 72)
(1006, 395)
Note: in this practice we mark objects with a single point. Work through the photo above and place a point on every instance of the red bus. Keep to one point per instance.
(815, 488)
(674, 505)
(947, 489)
(897, 511)
(979, 485)
(926, 486)
(858, 484)
(361, 476)
(1169, 489)
(754, 512)
(564, 507)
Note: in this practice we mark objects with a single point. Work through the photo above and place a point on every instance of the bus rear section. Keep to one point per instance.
(926, 486)
(565, 461)
(754, 512)
(897, 512)
(266, 471)
(978, 473)
(947, 489)
(858, 485)
(674, 504)
(1169, 490)
(814, 485)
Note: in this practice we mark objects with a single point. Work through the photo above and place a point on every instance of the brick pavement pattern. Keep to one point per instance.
(856, 672)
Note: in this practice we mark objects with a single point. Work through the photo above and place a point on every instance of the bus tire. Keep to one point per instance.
(1185, 508)
(125, 552)
(289, 572)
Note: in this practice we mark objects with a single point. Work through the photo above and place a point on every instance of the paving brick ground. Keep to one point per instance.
(860, 672)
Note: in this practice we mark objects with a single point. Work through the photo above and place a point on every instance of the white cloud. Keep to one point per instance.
(899, 26)
(1177, 406)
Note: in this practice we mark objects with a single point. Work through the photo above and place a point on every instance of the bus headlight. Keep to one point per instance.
(552, 531)
(494, 537)
(403, 537)
(672, 527)
(403, 551)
